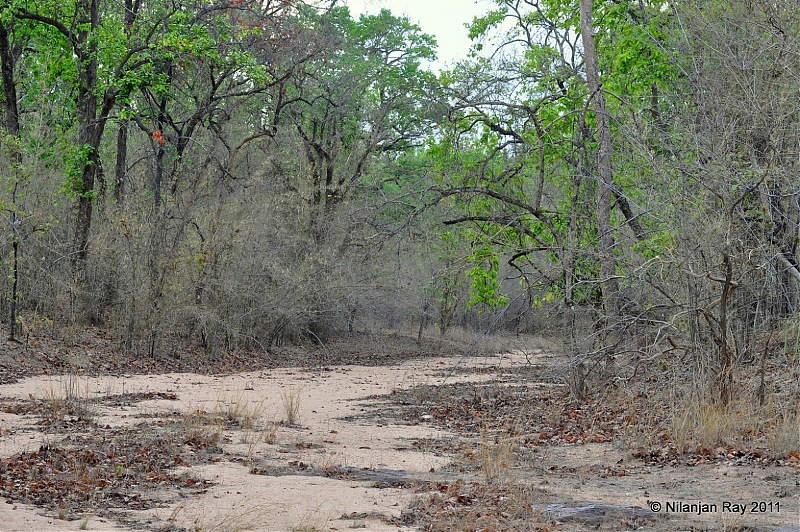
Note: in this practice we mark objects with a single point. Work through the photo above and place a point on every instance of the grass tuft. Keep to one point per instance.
(290, 398)
(496, 456)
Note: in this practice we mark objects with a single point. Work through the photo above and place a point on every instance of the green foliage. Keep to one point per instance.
(503, 147)
(480, 26)
(520, 138)
(484, 282)
(362, 93)
(657, 244)
(73, 185)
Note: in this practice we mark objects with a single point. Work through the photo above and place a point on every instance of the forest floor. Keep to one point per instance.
(374, 433)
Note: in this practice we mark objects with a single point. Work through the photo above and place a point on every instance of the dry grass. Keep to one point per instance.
(709, 425)
(255, 437)
(310, 521)
(419, 389)
(743, 424)
(202, 428)
(240, 411)
(496, 457)
(478, 343)
(291, 400)
(230, 413)
(67, 396)
(785, 434)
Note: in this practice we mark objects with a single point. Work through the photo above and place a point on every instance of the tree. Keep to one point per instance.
(216, 59)
(543, 159)
(606, 184)
(527, 106)
(733, 143)
(78, 33)
(108, 52)
(18, 149)
(8, 70)
(364, 94)
(226, 117)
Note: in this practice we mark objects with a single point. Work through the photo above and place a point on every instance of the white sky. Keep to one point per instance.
(444, 19)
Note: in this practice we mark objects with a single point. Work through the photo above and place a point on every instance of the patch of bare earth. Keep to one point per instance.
(373, 433)
(547, 462)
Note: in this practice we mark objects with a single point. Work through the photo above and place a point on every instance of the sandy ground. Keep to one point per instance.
(321, 438)
(334, 431)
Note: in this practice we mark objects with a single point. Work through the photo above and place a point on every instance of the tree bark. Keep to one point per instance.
(610, 285)
(121, 166)
(7, 64)
(89, 131)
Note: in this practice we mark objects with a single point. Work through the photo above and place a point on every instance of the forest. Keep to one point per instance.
(246, 174)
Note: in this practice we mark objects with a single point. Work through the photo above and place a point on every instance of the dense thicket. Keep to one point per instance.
(241, 173)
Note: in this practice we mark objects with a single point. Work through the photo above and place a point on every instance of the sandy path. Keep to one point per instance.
(321, 438)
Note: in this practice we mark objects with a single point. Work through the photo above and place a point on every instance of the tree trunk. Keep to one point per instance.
(7, 61)
(724, 379)
(90, 130)
(121, 167)
(609, 281)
